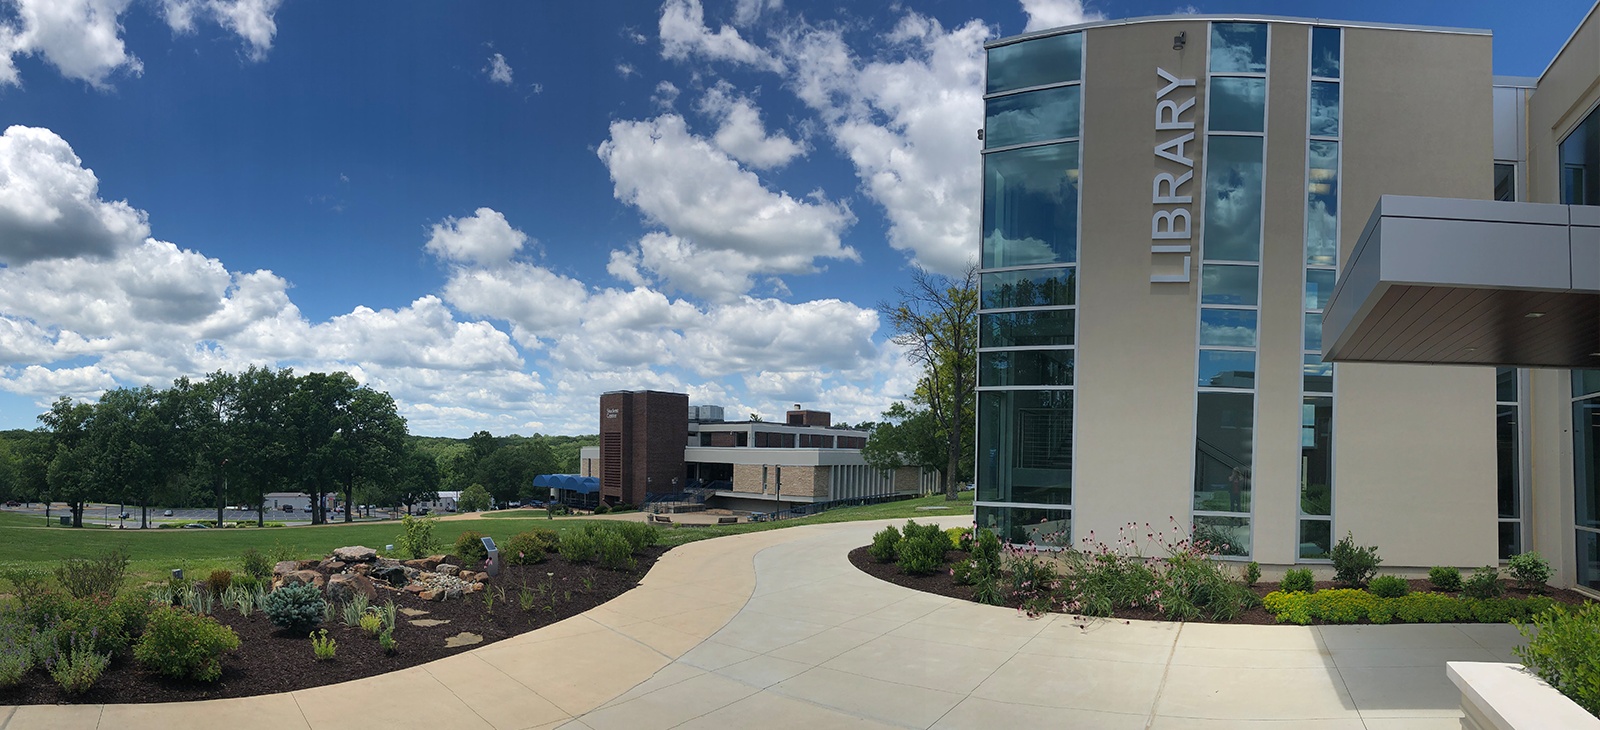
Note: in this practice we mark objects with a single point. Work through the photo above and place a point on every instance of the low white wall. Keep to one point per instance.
(1507, 697)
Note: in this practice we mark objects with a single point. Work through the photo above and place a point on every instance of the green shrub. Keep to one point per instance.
(601, 508)
(1484, 583)
(323, 647)
(1445, 578)
(180, 644)
(984, 574)
(218, 581)
(884, 544)
(1288, 606)
(623, 507)
(549, 540)
(469, 547)
(578, 547)
(78, 668)
(919, 555)
(1563, 649)
(100, 624)
(1032, 582)
(613, 551)
(1252, 573)
(255, 564)
(1193, 584)
(1389, 586)
(295, 607)
(100, 576)
(416, 539)
(961, 538)
(524, 548)
(386, 642)
(1298, 580)
(1098, 583)
(639, 535)
(931, 532)
(1531, 571)
(248, 583)
(25, 582)
(1353, 565)
(371, 623)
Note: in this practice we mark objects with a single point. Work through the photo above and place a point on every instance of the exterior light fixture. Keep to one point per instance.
(1179, 40)
(980, 135)
(1534, 315)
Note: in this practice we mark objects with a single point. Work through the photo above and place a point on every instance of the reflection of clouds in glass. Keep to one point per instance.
(1030, 212)
(1325, 52)
(1227, 284)
(1319, 287)
(1313, 332)
(1233, 199)
(1035, 62)
(1033, 117)
(1324, 109)
(1238, 47)
(1228, 328)
(1322, 186)
(1238, 105)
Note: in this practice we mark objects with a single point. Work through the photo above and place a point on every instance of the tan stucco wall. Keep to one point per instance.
(1550, 518)
(1414, 465)
(1276, 487)
(1134, 437)
(1566, 93)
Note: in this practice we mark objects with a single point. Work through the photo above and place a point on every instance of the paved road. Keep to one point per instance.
(776, 630)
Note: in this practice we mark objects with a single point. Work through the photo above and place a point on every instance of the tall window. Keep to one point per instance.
(1324, 127)
(1508, 453)
(1230, 285)
(1028, 289)
(1580, 185)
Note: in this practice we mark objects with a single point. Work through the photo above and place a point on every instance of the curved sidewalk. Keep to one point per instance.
(776, 629)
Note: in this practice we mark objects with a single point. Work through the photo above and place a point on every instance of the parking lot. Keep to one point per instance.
(107, 514)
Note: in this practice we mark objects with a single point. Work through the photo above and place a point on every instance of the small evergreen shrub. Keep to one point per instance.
(1445, 578)
(78, 668)
(372, 623)
(416, 538)
(548, 539)
(295, 607)
(1563, 649)
(386, 642)
(931, 532)
(919, 555)
(1484, 583)
(248, 584)
(100, 576)
(1531, 571)
(523, 549)
(180, 644)
(1298, 579)
(1389, 586)
(1252, 573)
(639, 535)
(613, 551)
(884, 544)
(469, 547)
(218, 581)
(601, 508)
(323, 647)
(578, 547)
(1354, 566)
(256, 565)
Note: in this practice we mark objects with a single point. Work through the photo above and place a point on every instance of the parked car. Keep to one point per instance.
(168, 513)
(122, 516)
(13, 503)
(288, 508)
(196, 526)
(422, 510)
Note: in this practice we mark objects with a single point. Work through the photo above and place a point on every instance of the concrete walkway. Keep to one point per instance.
(777, 630)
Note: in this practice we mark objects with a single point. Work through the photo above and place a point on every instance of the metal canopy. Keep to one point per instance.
(1470, 282)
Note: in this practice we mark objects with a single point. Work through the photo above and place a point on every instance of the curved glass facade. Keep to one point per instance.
(1028, 290)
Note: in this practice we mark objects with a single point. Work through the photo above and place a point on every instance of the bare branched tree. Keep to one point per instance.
(936, 320)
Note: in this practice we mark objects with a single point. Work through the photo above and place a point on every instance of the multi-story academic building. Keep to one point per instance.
(1172, 204)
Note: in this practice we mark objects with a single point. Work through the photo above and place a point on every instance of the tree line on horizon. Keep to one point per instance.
(233, 438)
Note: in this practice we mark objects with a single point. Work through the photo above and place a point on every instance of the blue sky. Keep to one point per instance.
(496, 211)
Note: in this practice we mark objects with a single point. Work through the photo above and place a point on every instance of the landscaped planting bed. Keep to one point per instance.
(1183, 582)
(268, 658)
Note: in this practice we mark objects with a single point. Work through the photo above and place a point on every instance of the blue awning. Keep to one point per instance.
(569, 482)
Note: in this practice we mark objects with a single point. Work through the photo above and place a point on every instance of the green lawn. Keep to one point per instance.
(24, 541)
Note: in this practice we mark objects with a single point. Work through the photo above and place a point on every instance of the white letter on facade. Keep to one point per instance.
(1172, 195)
(1177, 109)
(1171, 217)
(1173, 150)
(1173, 82)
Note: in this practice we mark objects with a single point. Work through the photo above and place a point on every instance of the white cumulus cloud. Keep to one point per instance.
(498, 70)
(1043, 14)
(684, 34)
(741, 133)
(50, 205)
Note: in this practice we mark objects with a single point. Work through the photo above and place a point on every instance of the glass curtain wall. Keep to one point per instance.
(1508, 458)
(1321, 270)
(1580, 185)
(1230, 285)
(1028, 289)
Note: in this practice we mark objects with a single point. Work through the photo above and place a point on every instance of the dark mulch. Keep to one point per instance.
(942, 584)
(271, 660)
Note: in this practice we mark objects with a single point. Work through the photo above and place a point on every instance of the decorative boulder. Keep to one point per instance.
(362, 568)
(446, 569)
(388, 562)
(304, 576)
(284, 568)
(333, 565)
(355, 554)
(428, 563)
(307, 564)
(393, 575)
(345, 586)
